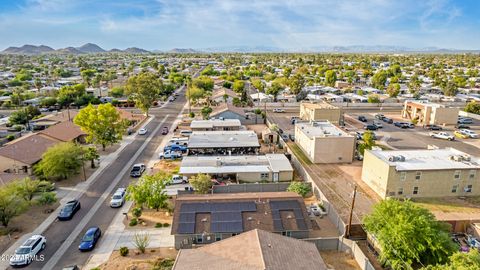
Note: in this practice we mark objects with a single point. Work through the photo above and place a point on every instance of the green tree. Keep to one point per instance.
(150, 191)
(60, 161)
(206, 111)
(11, 205)
(472, 107)
(414, 84)
(195, 93)
(203, 82)
(87, 76)
(408, 235)
(26, 188)
(296, 83)
(274, 90)
(330, 77)
(301, 188)
(373, 98)
(201, 183)
(368, 142)
(459, 261)
(238, 86)
(144, 89)
(379, 79)
(393, 90)
(24, 115)
(257, 83)
(450, 89)
(117, 92)
(102, 124)
(68, 94)
(48, 101)
(91, 154)
(287, 71)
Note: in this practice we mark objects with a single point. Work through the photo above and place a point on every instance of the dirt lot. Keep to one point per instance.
(337, 260)
(150, 218)
(25, 223)
(168, 166)
(452, 208)
(138, 261)
(72, 181)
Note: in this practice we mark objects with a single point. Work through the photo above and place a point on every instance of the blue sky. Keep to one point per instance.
(166, 24)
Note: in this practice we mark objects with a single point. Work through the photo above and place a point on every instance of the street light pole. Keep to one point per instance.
(347, 233)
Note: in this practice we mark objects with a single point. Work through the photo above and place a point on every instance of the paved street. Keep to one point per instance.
(63, 238)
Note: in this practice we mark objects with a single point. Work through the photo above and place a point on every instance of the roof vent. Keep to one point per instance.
(250, 218)
(204, 219)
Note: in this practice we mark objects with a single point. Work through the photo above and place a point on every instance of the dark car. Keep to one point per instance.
(362, 118)
(69, 210)
(462, 126)
(137, 170)
(90, 239)
(371, 127)
(175, 148)
(402, 124)
(164, 130)
(433, 127)
(387, 120)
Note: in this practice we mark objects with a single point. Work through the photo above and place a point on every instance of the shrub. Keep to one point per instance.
(123, 251)
(133, 222)
(141, 241)
(166, 224)
(191, 114)
(47, 198)
(300, 188)
(137, 212)
(158, 225)
(10, 137)
(163, 264)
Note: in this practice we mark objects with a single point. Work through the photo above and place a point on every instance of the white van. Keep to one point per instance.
(186, 133)
(179, 141)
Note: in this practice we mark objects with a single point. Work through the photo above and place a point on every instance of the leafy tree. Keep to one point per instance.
(60, 161)
(11, 205)
(203, 82)
(450, 89)
(150, 191)
(330, 77)
(379, 79)
(287, 71)
(90, 153)
(373, 99)
(238, 86)
(48, 101)
(459, 261)
(195, 93)
(24, 115)
(257, 83)
(87, 76)
(274, 90)
(414, 84)
(227, 84)
(408, 235)
(144, 89)
(301, 188)
(393, 90)
(296, 83)
(69, 94)
(117, 92)
(206, 111)
(26, 188)
(472, 107)
(368, 142)
(201, 183)
(102, 124)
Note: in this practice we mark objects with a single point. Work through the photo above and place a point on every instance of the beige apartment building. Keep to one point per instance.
(421, 173)
(320, 111)
(430, 113)
(324, 142)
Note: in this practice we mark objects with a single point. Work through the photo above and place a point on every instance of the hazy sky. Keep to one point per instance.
(166, 24)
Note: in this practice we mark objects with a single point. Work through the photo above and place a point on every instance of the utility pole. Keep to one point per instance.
(347, 233)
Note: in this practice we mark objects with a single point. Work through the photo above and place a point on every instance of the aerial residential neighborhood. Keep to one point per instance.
(165, 141)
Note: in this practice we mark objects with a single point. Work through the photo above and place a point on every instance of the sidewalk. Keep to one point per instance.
(71, 194)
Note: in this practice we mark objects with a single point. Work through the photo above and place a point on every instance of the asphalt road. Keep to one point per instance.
(97, 194)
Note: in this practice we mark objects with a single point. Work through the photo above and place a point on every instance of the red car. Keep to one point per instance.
(165, 131)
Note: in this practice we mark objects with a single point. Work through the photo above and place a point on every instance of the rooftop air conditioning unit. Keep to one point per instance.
(401, 158)
(467, 157)
(392, 158)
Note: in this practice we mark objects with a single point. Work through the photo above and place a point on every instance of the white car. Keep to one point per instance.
(28, 252)
(279, 110)
(178, 179)
(118, 198)
(378, 124)
(170, 155)
(442, 135)
(142, 131)
(469, 133)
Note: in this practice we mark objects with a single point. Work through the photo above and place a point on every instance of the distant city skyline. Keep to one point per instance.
(166, 24)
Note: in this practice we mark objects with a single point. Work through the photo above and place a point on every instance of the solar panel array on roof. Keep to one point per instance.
(225, 217)
(291, 205)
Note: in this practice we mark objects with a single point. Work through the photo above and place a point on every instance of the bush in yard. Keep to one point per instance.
(166, 224)
(158, 225)
(47, 198)
(133, 222)
(301, 188)
(137, 212)
(201, 183)
(10, 137)
(141, 241)
(123, 251)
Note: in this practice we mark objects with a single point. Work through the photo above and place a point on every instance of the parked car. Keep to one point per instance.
(442, 135)
(175, 148)
(460, 134)
(371, 127)
(90, 239)
(137, 170)
(142, 131)
(284, 137)
(380, 116)
(164, 130)
(410, 125)
(278, 110)
(178, 179)
(294, 120)
(186, 133)
(378, 124)
(402, 124)
(26, 253)
(69, 210)
(118, 198)
(465, 120)
(362, 118)
(387, 120)
(170, 155)
(462, 126)
(433, 127)
(292, 137)
(470, 133)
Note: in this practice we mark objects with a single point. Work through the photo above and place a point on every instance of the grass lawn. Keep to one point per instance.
(447, 205)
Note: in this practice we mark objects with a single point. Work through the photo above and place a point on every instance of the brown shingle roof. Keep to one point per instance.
(64, 131)
(228, 107)
(28, 149)
(255, 249)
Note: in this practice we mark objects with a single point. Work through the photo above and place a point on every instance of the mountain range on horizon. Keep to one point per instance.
(91, 48)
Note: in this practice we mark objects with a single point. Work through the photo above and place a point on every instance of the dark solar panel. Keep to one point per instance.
(226, 227)
(187, 217)
(284, 205)
(301, 224)
(226, 216)
(186, 228)
(278, 225)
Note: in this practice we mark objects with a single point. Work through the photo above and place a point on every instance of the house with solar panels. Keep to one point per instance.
(207, 218)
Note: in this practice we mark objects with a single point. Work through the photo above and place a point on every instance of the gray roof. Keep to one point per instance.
(223, 139)
(215, 123)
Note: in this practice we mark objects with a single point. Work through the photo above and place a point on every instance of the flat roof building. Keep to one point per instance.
(269, 167)
(215, 125)
(324, 142)
(421, 173)
(223, 142)
(320, 111)
(430, 113)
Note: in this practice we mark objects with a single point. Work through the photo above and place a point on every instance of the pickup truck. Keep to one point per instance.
(176, 148)
(442, 135)
(170, 155)
(178, 179)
